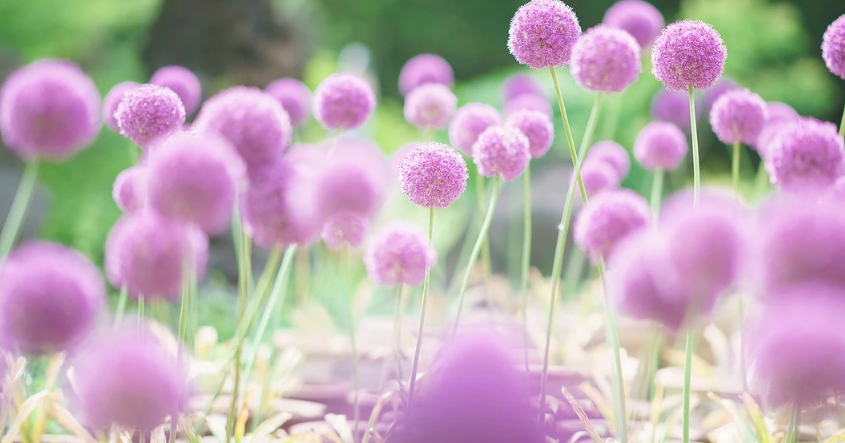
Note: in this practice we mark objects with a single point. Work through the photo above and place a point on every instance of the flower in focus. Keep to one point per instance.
(501, 151)
(433, 175)
(688, 52)
(111, 102)
(542, 33)
(833, 47)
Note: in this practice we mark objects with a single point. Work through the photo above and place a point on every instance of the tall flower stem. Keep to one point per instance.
(619, 411)
(356, 382)
(793, 432)
(568, 130)
(526, 257)
(690, 342)
(762, 180)
(20, 204)
(696, 168)
(121, 304)
(656, 190)
(842, 125)
(188, 275)
(397, 330)
(485, 246)
(244, 267)
(735, 166)
(426, 284)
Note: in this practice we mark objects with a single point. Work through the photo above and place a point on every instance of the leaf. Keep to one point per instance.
(66, 419)
(763, 434)
(23, 413)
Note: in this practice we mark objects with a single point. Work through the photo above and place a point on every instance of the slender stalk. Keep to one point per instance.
(842, 125)
(735, 166)
(793, 432)
(243, 295)
(356, 382)
(687, 382)
(426, 283)
(20, 204)
(696, 168)
(619, 413)
(187, 278)
(569, 140)
(573, 273)
(397, 330)
(141, 314)
(485, 245)
(762, 180)
(657, 190)
(526, 258)
(121, 304)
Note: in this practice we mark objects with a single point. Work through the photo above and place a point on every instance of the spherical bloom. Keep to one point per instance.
(807, 153)
(536, 127)
(343, 101)
(528, 102)
(501, 151)
(640, 19)
(779, 112)
(777, 115)
(660, 145)
(146, 252)
(598, 176)
(613, 154)
(738, 116)
(399, 254)
(148, 113)
(253, 122)
(838, 189)
(294, 96)
(607, 219)
(130, 188)
(127, 378)
(194, 177)
(49, 109)
(181, 81)
(688, 52)
(542, 33)
(833, 47)
(344, 228)
(111, 102)
(673, 107)
(430, 106)
(433, 175)
(605, 59)
(422, 69)
(519, 84)
(718, 89)
(49, 298)
(355, 177)
(469, 122)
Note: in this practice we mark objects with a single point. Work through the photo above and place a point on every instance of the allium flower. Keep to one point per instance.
(127, 378)
(469, 122)
(49, 109)
(49, 298)
(181, 81)
(609, 218)
(528, 102)
(501, 151)
(613, 154)
(598, 176)
(718, 89)
(640, 19)
(294, 96)
(253, 122)
(778, 114)
(146, 252)
(538, 129)
(673, 107)
(111, 102)
(194, 177)
(738, 116)
(148, 113)
(520, 84)
(399, 254)
(433, 175)
(130, 188)
(660, 145)
(542, 33)
(430, 106)
(355, 177)
(838, 188)
(425, 68)
(343, 101)
(833, 47)
(344, 228)
(605, 59)
(688, 52)
(807, 153)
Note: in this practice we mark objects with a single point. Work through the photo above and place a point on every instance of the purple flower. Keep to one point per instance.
(738, 116)
(49, 298)
(673, 107)
(605, 59)
(130, 188)
(430, 106)
(833, 47)
(713, 93)
(609, 218)
(470, 121)
(640, 19)
(537, 128)
(49, 109)
(807, 153)
(501, 151)
(111, 102)
(613, 154)
(660, 145)
(433, 175)
(778, 114)
(542, 33)
(343, 101)
(148, 113)
(344, 228)
(528, 102)
(294, 96)
(688, 52)
(354, 177)
(181, 81)
(422, 69)
(598, 176)
(399, 254)
(519, 84)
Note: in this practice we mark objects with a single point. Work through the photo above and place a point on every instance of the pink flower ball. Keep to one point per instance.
(344, 228)
(660, 146)
(807, 153)
(49, 109)
(542, 33)
(613, 154)
(607, 219)
(130, 189)
(738, 116)
(50, 297)
(343, 101)
(501, 151)
(111, 102)
(833, 47)
(688, 52)
(528, 102)
(520, 84)
(778, 114)
(605, 59)
(354, 177)
(711, 94)
(430, 106)
(537, 128)
(294, 96)
(433, 175)
(423, 69)
(399, 254)
(673, 107)
(471, 120)
(149, 113)
(181, 81)
(640, 19)
(598, 176)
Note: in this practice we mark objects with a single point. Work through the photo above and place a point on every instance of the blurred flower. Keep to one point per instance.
(343, 102)
(688, 52)
(640, 19)
(181, 81)
(399, 254)
(344, 228)
(738, 116)
(520, 84)
(528, 102)
(542, 33)
(660, 145)
(598, 176)
(111, 102)
(537, 128)
(430, 106)
(130, 188)
(777, 115)
(807, 153)
(607, 219)
(673, 107)
(470, 121)
(718, 89)
(433, 175)
(613, 154)
(149, 113)
(422, 69)
(294, 96)
(833, 47)
(501, 151)
(605, 59)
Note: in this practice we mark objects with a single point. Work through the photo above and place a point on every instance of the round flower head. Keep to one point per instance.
(355, 177)
(130, 188)
(520, 84)
(542, 33)
(605, 59)
(738, 116)
(688, 52)
(344, 228)
(469, 122)
(613, 154)
(609, 218)
(433, 175)
(294, 96)
(779, 112)
(838, 189)
(181, 81)
(538, 129)
(598, 176)
(111, 102)
(833, 47)
(252, 121)
(430, 106)
(673, 107)
(422, 69)
(194, 177)
(343, 101)
(148, 113)
(807, 153)
(49, 298)
(660, 145)
(399, 254)
(528, 102)
(127, 378)
(718, 89)
(777, 115)
(146, 252)
(49, 109)
(501, 151)
(640, 19)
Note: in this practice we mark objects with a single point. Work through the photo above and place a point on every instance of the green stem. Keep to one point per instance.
(569, 140)
(187, 277)
(426, 283)
(573, 273)
(397, 331)
(762, 180)
(20, 204)
(141, 314)
(356, 382)
(243, 295)
(842, 125)
(526, 257)
(657, 190)
(485, 245)
(618, 383)
(687, 382)
(696, 168)
(793, 432)
(735, 166)
(121, 304)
